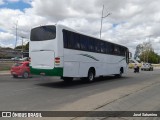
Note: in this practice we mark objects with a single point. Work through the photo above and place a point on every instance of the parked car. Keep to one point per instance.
(15, 58)
(147, 66)
(24, 59)
(20, 69)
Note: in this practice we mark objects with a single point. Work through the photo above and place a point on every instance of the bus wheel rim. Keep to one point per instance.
(91, 76)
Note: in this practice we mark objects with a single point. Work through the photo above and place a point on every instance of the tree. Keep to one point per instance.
(147, 48)
(25, 47)
(146, 53)
(143, 50)
(19, 47)
(152, 57)
(138, 51)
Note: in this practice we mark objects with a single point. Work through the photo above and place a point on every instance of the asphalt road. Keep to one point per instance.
(42, 93)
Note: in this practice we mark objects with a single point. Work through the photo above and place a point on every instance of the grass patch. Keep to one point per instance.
(4, 66)
(156, 65)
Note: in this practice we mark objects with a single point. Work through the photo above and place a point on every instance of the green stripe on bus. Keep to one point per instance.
(89, 56)
(47, 72)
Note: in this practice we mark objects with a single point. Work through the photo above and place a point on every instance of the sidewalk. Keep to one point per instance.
(5, 72)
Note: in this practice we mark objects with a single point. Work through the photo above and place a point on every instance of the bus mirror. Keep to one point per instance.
(130, 55)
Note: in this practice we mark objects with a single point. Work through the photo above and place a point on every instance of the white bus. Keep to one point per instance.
(56, 50)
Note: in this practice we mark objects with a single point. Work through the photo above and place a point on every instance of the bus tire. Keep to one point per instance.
(67, 79)
(91, 75)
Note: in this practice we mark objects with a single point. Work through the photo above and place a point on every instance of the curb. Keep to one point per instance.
(4, 73)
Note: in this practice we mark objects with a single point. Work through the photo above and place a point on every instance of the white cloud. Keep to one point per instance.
(6, 40)
(6, 36)
(1, 2)
(130, 23)
(8, 18)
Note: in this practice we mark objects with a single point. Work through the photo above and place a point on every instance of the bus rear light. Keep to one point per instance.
(57, 60)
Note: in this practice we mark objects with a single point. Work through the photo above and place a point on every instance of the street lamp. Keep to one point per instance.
(102, 19)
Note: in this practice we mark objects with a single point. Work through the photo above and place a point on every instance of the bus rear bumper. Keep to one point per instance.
(47, 72)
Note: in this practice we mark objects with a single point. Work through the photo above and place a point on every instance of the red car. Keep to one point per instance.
(21, 69)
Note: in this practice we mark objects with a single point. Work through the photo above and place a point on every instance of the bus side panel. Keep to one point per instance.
(77, 64)
(100, 69)
(84, 67)
(71, 69)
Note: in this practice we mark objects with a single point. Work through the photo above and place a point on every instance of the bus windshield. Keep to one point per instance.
(43, 33)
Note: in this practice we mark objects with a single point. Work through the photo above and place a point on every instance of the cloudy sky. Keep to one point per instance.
(131, 22)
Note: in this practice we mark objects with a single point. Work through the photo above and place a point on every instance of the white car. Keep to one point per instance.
(24, 59)
(147, 66)
(15, 58)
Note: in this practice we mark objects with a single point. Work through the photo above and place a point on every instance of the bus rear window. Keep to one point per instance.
(43, 33)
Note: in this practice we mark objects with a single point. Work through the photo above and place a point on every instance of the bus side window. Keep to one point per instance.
(102, 47)
(109, 48)
(77, 41)
(65, 40)
(84, 42)
(68, 39)
(122, 51)
(73, 42)
(116, 50)
(91, 45)
(97, 45)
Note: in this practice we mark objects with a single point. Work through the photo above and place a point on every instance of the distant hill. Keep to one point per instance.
(7, 53)
(5, 48)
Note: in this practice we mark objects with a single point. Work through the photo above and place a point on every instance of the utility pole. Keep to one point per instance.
(102, 19)
(148, 47)
(16, 33)
(16, 28)
(22, 47)
(22, 50)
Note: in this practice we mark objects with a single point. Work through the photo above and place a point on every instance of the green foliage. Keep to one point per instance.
(146, 53)
(19, 47)
(25, 47)
(152, 57)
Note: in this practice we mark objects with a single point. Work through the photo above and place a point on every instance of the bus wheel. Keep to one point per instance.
(67, 79)
(91, 75)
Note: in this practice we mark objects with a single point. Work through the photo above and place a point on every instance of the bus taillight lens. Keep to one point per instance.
(57, 60)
